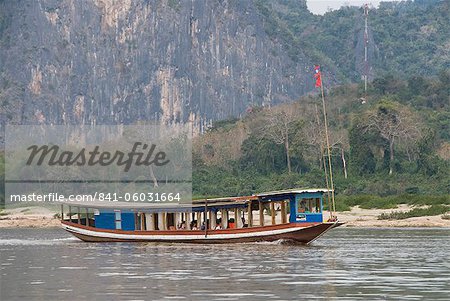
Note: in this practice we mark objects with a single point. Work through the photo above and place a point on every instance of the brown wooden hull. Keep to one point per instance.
(296, 232)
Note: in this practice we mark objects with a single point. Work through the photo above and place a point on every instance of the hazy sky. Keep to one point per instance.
(322, 6)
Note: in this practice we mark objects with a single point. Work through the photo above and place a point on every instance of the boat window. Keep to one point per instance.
(309, 205)
(170, 221)
(155, 221)
(301, 208)
(316, 205)
(118, 220)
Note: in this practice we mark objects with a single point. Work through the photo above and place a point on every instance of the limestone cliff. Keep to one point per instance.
(122, 61)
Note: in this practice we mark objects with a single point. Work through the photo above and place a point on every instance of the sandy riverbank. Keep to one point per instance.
(28, 217)
(358, 217)
(37, 217)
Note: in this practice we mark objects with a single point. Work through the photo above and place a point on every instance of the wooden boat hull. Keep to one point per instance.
(297, 232)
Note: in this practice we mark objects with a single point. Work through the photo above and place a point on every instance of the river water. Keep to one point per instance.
(345, 264)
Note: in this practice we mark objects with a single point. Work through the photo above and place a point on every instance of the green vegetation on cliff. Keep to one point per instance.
(410, 37)
(394, 142)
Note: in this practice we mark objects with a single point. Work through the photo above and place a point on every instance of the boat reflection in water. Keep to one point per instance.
(293, 215)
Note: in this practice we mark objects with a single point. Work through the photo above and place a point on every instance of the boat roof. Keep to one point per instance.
(213, 202)
(225, 199)
(292, 191)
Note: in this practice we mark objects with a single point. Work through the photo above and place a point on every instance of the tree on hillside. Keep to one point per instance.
(280, 127)
(362, 159)
(262, 155)
(394, 123)
(428, 161)
(340, 142)
(314, 133)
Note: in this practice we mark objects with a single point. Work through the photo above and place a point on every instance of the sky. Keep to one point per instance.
(321, 6)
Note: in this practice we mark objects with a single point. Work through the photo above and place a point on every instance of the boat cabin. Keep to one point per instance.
(265, 209)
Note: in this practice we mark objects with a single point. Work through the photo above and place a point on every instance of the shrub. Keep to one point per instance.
(416, 212)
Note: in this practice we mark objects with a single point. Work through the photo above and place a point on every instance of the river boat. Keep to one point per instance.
(292, 215)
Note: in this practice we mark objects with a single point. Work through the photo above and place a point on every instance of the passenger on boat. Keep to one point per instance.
(194, 226)
(203, 226)
(303, 205)
(181, 226)
(218, 227)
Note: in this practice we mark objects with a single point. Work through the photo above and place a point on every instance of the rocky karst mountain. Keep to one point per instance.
(111, 61)
(123, 61)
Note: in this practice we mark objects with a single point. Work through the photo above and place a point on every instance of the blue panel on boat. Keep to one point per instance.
(128, 221)
(305, 215)
(314, 217)
(292, 211)
(105, 220)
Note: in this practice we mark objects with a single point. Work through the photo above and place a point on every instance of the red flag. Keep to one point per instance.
(317, 76)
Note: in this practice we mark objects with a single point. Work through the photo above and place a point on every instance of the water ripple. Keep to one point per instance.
(347, 264)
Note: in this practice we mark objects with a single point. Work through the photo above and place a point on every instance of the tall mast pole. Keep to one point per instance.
(324, 165)
(325, 120)
(366, 42)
